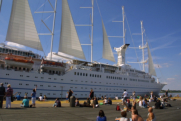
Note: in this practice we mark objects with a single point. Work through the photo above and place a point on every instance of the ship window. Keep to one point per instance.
(27, 76)
(100, 76)
(49, 85)
(49, 78)
(35, 84)
(55, 78)
(61, 79)
(83, 74)
(81, 87)
(81, 81)
(27, 84)
(19, 83)
(80, 74)
(106, 76)
(95, 82)
(41, 77)
(74, 73)
(54, 93)
(99, 82)
(92, 75)
(36, 77)
(91, 81)
(86, 74)
(85, 81)
(77, 73)
(113, 77)
(41, 85)
(48, 93)
(81, 94)
(71, 80)
(54, 86)
(75, 87)
(95, 75)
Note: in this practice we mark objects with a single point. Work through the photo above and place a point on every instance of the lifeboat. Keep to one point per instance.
(51, 65)
(18, 62)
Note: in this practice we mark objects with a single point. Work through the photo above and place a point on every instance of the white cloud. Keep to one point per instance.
(170, 79)
(15, 45)
(58, 58)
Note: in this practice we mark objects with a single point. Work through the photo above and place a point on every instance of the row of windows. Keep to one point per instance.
(133, 79)
(112, 77)
(142, 80)
(3, 50)
(85, 74)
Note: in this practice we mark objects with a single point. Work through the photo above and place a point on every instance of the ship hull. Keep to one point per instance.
(54, 86)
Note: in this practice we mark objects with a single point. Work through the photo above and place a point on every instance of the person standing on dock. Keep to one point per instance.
(33, 97)
(166, 93)
(125, 94)
(9, 94)
(70, 94)
(134, 94)
(91, 95)
(2, 93)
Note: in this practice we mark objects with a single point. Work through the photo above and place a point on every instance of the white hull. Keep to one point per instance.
(54, 86)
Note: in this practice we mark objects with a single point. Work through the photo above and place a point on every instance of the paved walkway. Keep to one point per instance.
(46, 112)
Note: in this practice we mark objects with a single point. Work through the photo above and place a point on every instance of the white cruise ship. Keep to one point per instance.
(25, 69)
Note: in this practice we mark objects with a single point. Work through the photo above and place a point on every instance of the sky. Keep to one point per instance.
(161, 21)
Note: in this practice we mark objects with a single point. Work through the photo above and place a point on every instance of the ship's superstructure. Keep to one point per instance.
(24, 69)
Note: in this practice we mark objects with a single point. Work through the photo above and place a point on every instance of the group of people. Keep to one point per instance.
(8, 93)
(134, 116)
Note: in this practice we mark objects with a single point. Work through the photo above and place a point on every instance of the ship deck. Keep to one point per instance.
(45, 112)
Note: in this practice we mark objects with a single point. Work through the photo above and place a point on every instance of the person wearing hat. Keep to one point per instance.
(9, 94)
(2, 93)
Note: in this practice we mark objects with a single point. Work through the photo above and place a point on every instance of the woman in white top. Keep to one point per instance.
(105, 101)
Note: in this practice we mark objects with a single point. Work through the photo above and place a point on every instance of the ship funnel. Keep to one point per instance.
(121, 54)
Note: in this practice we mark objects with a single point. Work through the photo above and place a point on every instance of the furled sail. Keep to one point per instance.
(107, 51)
(69, 40)
(151, 68)
(22, 28)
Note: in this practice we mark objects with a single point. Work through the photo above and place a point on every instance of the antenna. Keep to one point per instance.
(51, 31)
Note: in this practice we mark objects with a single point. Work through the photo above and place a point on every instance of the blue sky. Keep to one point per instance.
(161, 20)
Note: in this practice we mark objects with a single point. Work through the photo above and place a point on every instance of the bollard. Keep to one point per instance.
(72, 101)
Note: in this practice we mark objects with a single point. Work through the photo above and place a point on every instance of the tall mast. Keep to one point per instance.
(123, 25)
(92, 27)
(143, 56)
(53, 29)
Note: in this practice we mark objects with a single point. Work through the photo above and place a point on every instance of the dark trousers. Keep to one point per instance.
(1, 101)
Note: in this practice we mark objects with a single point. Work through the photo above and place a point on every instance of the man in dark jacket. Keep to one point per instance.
(2, 93)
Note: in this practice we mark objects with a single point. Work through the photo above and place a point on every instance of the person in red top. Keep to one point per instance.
(9, 93)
